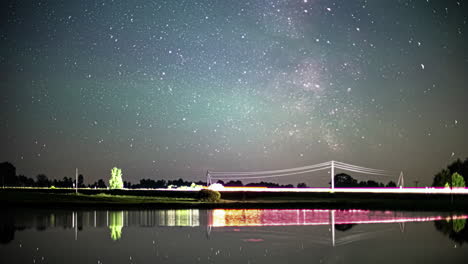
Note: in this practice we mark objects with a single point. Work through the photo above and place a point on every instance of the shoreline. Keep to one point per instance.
(167, 199)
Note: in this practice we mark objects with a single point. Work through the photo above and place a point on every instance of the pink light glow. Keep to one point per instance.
(295, 217)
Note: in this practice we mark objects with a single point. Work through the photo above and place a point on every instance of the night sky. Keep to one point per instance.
(169, 89)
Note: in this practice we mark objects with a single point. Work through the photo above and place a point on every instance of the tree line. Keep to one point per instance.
(9, 178)
(455, 175)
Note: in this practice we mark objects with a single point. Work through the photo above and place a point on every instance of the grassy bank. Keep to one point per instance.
(18, 198)
(188, 199)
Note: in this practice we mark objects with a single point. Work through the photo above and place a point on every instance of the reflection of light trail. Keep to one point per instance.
(288, 217)
(315, 217)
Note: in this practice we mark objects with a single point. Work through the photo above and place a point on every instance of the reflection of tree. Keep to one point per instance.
(458, 225)
(7, 228)
(116, 224)
(344, 227)
(455, 229)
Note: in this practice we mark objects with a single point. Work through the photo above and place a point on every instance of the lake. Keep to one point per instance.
(232, 236)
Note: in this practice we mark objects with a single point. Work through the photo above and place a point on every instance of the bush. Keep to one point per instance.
(206, 195)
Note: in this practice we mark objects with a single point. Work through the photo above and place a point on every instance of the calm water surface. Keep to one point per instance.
(232, 236)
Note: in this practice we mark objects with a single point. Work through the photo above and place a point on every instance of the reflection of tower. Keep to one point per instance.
(209, 223)
(208, 178)
(402, 226)
(332, 222)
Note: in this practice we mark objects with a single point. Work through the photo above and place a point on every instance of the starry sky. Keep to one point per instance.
(169, 89)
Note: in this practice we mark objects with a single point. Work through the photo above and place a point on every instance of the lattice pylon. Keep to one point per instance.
(401, 180)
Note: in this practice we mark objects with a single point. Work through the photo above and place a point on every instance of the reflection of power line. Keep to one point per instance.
(359, 237)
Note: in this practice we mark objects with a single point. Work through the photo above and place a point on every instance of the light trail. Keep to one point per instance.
(428, 190)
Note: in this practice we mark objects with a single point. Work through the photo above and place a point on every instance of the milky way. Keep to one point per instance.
(169, 89)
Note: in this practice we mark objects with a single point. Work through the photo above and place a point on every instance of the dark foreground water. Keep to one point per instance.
(232, 236)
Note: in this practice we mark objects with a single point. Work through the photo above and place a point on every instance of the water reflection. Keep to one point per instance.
(116, 224)
(294, 217)
(452, 225)
(455, 229)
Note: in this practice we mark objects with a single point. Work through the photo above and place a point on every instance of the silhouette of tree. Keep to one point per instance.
(24, 181)
(66, 182)
(178, 183)
(269, 185)
(345, 180)
(42, 180)
(220, 182)
(8, 174)
(99, 184)
(149, 183)
(302, 185)
(441, 178)
(81, 181)
(234, 183)
(371, 183)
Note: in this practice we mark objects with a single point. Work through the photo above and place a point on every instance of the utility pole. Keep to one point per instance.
(208, 180)
(332, 175)
(76, 181)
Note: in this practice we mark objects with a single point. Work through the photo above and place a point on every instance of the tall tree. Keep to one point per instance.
(456, 181)
(81, 181)
(7, 174)
(101, 184)
(115, 181)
